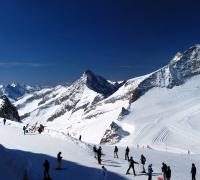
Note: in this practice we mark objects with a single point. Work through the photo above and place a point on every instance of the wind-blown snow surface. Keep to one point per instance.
(27, 153)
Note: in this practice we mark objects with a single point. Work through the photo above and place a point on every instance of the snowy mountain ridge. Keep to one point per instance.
(15, 90)
(100, 109)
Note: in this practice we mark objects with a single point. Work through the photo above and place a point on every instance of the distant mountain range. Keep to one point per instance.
(15, 90)
(108, 112)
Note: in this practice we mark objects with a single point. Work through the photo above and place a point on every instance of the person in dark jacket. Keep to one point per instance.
(24, 129)
(127, 154)
(80, 138)
(164, 169)
(99, 154)
(150, 171)
(95, 151)
(168, 173)
(193, 171)
(46, 169)
(143, 161)
(59, 159)
(116, 152)
(4, 121)
(131, 165)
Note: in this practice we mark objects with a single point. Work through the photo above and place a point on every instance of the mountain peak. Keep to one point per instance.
(176, 58)
(196, 46)
(98, 83)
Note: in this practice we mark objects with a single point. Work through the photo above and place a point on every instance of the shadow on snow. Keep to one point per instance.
(17, 162)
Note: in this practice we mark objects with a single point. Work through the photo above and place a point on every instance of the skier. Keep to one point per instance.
(80, 138)
(127, 154)
(4, 121)
(59, 159)
(115, 152)
(143, 160)
(40, 129)
(46, 169)
(131, 165)
(193, 171)
(99, 154)
(150, 171)
(104, 173)
(164, 169)
(24, 129)
(95, 151)
(168, 173)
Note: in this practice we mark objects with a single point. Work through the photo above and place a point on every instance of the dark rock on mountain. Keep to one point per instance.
(101, 85)
(7, 110)
(114, 134)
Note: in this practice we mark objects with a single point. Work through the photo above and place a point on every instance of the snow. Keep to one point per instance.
(163, 113)
(1, 102)
(167, 117)
(30, 151)
(176, 58)
(14, 91)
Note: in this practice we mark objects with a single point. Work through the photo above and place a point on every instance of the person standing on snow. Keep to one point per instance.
(99, 154)
(59, 159)
(80, 138)
(131, 165)
(127, 154)
(46, 169)
(143, 161)
(168, 173)
(150, 171)
(4, 121)
(193, 171)
(24, 129)
(116, 152)
(95, 151)
(164, 170)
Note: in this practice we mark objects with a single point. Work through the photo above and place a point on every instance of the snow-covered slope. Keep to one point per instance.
(61, 107)
(166, 117)
(103, 111)
(30, 151)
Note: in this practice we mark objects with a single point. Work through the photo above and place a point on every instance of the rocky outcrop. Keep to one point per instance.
(114, 134)
(7, 110)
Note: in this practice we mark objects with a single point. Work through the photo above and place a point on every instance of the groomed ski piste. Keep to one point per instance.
(26, 153)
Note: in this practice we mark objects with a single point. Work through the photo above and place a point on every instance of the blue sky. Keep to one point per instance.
(49, 42)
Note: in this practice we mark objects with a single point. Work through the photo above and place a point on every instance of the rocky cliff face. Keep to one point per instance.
(7, 110)
(114, 134)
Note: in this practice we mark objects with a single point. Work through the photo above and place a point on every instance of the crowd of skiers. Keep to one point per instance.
(166, 170)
